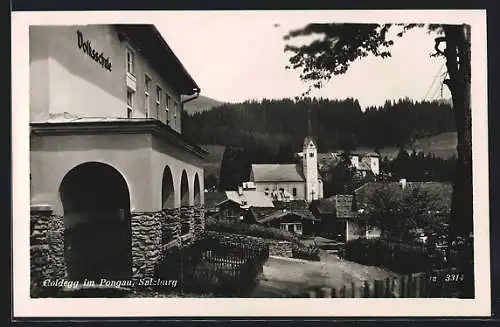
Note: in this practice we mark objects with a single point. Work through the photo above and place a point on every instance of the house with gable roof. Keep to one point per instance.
(294, 181)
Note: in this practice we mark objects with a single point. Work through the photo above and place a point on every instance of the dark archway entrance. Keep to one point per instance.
(167, 189)
(96, 205)
(185, 222)
(184, 190)
(197, 196)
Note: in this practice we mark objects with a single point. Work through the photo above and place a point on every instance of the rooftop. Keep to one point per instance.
(149, 39)
(277, 173)
(250, 199)
(212, 199)
(280, 214)
(339, 205)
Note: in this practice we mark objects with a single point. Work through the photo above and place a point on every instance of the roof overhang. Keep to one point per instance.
(151, 42)
(119, 126)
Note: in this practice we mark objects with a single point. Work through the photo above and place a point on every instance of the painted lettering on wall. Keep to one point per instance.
(86, 47)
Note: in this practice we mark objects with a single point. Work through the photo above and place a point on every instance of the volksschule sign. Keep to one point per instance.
(97, 56)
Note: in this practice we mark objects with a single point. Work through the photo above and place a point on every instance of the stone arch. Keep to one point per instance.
(184, 189)
(197, 190)
(167, 189)
(96, 204)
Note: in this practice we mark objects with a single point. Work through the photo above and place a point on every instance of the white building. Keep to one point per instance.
(296, 181)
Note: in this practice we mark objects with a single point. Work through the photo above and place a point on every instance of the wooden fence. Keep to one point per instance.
(443, 283)
(210, 266)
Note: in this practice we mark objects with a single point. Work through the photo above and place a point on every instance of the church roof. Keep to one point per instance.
(277, 173)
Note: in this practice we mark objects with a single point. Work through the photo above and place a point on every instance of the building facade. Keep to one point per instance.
(297, 181)
(107, 152)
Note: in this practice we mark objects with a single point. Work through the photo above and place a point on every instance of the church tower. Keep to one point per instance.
(310, 166)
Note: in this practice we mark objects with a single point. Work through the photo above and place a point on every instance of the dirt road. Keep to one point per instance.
(283, 277)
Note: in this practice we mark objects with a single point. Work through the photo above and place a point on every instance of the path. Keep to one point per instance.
(283, 277)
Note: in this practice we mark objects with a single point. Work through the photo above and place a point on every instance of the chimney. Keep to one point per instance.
(402, 182)
(240, 190)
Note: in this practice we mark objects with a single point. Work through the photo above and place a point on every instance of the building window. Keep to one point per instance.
(130, 103)
(130, 61)
(294, 191)
(175, 114)
(167, 106)
(311, 154)
(147, 88)
(299, 226)
(158, 101)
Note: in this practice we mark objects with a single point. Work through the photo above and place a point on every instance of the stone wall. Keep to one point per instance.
(151, 232)
(46, 246)
(198, 220)
(146, 243)
(187, 218)
(171, 228)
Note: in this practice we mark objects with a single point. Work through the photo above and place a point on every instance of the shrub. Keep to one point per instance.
(399, 257)
(250, 230)
(299, 249)
(306, 252)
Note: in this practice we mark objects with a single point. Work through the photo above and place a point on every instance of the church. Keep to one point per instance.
(294, 181)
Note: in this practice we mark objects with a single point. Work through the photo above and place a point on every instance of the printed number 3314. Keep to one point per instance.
(454, 278)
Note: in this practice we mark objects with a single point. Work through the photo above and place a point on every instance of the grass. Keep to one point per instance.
(442, 146)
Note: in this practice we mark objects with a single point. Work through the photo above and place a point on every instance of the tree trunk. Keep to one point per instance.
(458, 63)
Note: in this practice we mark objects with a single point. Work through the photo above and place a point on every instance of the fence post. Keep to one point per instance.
(402, 287)
(410, 286)
(418, 285)
(387, 288)
(393, 287)
(311, 294)
(379, 288)
(357, 291)
(326, 292)
(366, 289)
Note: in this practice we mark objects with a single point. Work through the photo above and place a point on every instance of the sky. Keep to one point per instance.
(237, 56)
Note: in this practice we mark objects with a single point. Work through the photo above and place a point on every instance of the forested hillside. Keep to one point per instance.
(336, 124)
(271, 131)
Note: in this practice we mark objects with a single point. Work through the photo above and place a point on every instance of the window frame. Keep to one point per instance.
(167, 106)
(130, 107)
(158, 94)
(128, 51)
(158, 101)
(147, 89)
(176, 106)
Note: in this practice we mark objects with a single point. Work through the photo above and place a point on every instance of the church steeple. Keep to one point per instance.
(310, 164)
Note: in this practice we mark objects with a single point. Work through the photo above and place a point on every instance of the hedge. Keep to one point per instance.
(399, 257)
(250, 230)
(299, 249)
